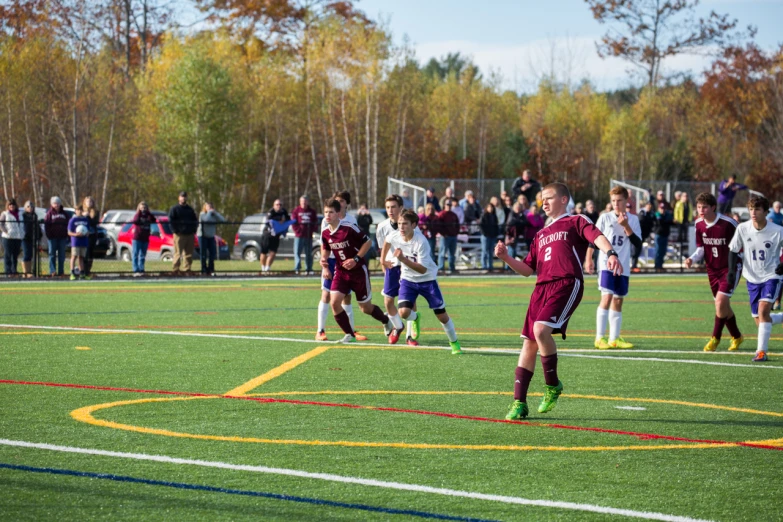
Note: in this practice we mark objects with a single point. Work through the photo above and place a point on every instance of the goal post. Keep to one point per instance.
(639, 195)
(415, 193)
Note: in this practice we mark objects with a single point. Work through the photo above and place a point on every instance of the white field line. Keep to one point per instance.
(570, 353)
(359, 481)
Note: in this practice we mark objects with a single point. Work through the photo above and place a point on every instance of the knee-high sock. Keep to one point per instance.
(776, 318)
(765, 331)
(601, 315)
(451, 332)
(349, 310)
(717, 327)
(323, 312)
(615, 322)
(378, 315)
(731, 324)
(549, 363)
(344, 322)
(521, 383)
(396, 321)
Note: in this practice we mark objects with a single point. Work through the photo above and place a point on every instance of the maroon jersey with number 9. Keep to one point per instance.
(715, 238)
(345, 242)
(558, 249)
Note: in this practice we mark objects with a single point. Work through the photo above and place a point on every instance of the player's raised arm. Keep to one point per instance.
(520, 267)
(413, 265)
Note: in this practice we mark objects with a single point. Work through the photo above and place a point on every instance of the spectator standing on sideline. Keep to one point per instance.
(56, 228)
(726, 191)
(207, 228)
(142, 224)
(522, 200)
(489, 236)
(500, 212)
(590, 211)
(661, 198)
(306, 224)
(79, 242)
(447, 195)
(428, 224)
(508, 205)
(457, 209)
(579, 209)
(184, 223)
(12, 226)
(646, 223)
(516, 223)
(448, 227)
(471, 208)
(32, 235)
(661, 229)
(270, 240)
(775, 215)
(534, 223)
(430, 197)
(93, 219)
(406, 199)
(526, 185)
(683, 215)
(364, 220)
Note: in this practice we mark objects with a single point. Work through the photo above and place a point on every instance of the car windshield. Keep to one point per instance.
(126, 227)
(166, 228)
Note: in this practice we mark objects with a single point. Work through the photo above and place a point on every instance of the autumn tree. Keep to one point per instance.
(645, 32)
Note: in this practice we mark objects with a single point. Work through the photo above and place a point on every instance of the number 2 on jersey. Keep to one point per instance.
(548, 254)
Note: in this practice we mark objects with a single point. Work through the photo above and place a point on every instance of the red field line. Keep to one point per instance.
(640, 436)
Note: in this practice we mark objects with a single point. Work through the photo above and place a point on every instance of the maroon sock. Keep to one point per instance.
(522, 383)
(378, 315)
(717, 327)
(549, 363)
(731, 324)
(344, 322)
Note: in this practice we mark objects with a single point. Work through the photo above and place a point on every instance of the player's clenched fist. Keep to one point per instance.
(397, 253)
(500, 250)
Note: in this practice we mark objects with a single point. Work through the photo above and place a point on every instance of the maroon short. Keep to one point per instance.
(552, 304)
(356, 280)
(718, 281)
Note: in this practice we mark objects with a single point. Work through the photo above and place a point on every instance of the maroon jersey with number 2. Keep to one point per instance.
(556, 255)
(345, 241)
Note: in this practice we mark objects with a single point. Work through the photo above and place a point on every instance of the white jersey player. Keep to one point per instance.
(622, 229)
(391, 268)
(761, 241)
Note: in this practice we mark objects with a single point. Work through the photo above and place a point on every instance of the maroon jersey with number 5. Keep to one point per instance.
(345, 242)
(558, 249)
(715, 238)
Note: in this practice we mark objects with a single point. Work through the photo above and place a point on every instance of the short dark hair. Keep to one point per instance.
(758, 202)
(410, 216)
(334, 204)
(11, 201)
(560, 189)
(394, 197)
(343, 194)
(705, 198)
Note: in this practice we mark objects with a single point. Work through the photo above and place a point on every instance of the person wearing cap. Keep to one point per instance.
(306, 224)
(56, 228)
(33, 230)
(12, 228)
(184, 223)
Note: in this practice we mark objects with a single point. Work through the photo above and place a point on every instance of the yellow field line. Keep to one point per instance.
(276, 372)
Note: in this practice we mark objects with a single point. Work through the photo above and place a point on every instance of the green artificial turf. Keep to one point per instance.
(265, 327)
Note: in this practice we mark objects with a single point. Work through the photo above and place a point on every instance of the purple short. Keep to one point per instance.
(608, 283)
(429, 290)
(391, 282)
(356, 280)
(768, 291)
(552, 304)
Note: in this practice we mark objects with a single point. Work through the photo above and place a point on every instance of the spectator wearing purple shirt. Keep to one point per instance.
(726, 191)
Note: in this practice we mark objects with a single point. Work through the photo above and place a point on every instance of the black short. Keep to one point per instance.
(269, 244)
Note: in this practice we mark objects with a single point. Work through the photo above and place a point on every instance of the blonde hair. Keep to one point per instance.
(141, 204)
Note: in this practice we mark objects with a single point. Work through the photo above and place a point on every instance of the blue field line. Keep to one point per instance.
(271, 309)
(274, 496)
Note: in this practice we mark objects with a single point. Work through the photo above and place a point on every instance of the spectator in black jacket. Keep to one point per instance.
(525, 185)
(661, 228)
(489, 236)
(270, 240)
(646, 222)
(184, 223)
(33, 229)
(56, 228)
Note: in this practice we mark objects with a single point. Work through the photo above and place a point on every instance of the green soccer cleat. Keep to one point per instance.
(456, 349)
(415, 327)
(602, 343)
(621, 344)
(550, 397)
(73, 277)
(712, 345)
(517, 411)
(735, 343)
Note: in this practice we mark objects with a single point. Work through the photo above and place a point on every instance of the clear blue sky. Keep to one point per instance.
(524, 39)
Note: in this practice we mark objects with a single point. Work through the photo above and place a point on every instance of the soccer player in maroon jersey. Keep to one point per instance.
(713, 235)
(556, 254)
(349, 245)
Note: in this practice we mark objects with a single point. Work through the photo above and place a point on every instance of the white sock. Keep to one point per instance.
(765, 331)
(615, 322)
(601, 315)
(451, 332)
(409, 323)
(349, 310)
(323, 312)
(396, 321)
(776, 318)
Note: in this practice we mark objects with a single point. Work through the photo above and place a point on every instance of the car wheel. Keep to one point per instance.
(125, 255)
(112, 250)
(317, 254)
(166, 256)
(250, 255)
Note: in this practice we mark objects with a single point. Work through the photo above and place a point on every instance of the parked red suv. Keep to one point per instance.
(161, 242)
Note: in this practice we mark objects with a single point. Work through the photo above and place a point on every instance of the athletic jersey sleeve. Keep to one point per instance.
(325, 241)
(699, 240)
(736, 244)
(587, 230)
(636, 228)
